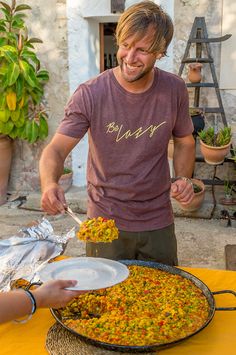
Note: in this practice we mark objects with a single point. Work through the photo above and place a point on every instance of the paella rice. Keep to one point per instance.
(98, 230)
(151, 307)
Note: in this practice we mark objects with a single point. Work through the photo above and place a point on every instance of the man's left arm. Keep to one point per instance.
(184, 156)
(183, 161)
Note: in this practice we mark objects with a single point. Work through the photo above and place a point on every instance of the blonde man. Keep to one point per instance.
(130, 113)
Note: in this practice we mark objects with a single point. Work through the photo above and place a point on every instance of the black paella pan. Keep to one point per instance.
(152, 348)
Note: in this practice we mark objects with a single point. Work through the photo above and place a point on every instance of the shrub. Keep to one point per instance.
(22, 114)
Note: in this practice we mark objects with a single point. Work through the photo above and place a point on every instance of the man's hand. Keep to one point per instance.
(51, 168)
(53, 199)
(182, 191)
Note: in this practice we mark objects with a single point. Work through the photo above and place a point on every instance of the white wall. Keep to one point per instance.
(228, 52)
(166, 63)
(83, 44)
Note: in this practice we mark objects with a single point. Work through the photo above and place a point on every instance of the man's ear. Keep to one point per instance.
(159, 55)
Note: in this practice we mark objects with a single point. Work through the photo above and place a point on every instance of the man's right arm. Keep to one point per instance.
(51, 168)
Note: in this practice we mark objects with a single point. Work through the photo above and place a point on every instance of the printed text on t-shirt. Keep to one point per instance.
(121, 133)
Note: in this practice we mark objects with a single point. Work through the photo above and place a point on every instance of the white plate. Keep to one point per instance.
(90, 273)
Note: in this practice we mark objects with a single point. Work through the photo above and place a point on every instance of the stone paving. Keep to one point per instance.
(201, 241)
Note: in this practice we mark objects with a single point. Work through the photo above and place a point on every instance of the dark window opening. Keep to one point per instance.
(108, 47)
(117, 6)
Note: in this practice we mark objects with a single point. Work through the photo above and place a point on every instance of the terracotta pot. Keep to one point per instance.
(198, 198)
(194, 74)
(66, 181)
(214, 155)
(228, 200)
(5, 166)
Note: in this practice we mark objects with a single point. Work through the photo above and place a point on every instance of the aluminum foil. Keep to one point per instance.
(24, 254)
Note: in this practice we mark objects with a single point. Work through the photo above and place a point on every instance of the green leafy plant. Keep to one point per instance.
(196, 188)
(219, 139)
(233, 155)
(228, 188)
(22, 114)
(67, 170)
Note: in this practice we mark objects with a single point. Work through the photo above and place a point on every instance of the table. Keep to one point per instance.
(218, 338)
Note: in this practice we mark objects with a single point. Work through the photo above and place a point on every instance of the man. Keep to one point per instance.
(130, 113)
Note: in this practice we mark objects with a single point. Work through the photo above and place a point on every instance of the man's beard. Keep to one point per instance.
(138, 76)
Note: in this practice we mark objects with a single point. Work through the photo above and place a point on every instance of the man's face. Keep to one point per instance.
(134, 59)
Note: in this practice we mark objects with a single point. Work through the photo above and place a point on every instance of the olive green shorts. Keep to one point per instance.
(157, 245)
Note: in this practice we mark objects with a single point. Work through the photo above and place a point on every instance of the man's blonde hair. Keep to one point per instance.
(136, 20)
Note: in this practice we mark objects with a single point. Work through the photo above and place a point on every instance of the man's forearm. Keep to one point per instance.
(184, 158)
(50, 167)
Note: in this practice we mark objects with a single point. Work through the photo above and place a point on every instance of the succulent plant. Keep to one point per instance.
(218, 139)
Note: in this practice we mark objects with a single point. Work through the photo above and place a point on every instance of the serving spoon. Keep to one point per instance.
(73, 215)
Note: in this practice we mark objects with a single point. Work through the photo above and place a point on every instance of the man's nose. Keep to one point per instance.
(130, 56)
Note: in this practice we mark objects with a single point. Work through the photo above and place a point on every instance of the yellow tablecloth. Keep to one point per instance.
(218, 338)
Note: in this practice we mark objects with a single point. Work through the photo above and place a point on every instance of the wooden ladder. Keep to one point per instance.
(199, 36)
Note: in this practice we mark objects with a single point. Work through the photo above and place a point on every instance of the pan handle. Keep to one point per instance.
(225, 308)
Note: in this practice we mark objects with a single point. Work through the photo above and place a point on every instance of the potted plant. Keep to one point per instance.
(22, 114)
(228, 198)
(198, 198)
(66, 178)
(215, 145)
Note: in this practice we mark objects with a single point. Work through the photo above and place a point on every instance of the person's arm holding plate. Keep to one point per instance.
(18, 303)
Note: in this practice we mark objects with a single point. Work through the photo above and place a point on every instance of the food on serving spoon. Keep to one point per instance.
(98, 230)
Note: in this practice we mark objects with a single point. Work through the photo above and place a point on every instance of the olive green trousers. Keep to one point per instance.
(157, 245)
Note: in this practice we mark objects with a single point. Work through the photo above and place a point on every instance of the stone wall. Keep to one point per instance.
(47, 21)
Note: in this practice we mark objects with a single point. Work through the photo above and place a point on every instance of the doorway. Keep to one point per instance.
(108, 47)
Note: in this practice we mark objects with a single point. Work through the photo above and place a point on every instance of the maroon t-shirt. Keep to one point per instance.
(128, 176)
